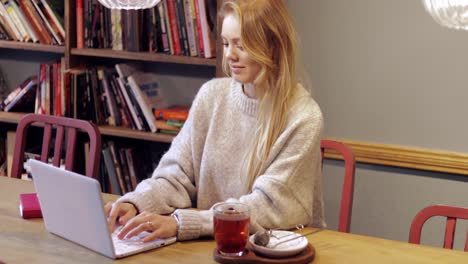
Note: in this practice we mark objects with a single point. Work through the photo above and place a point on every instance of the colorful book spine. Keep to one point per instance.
(79, 24)
(179, 113)
(171, 11)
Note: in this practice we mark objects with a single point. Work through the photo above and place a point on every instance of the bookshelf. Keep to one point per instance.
(14, 118)
(14, 45)
(143, 56)
(75, 57)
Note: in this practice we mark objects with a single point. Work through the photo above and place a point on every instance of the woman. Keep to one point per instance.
(253, 138)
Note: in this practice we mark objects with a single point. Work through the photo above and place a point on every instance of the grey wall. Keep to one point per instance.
(385, 72)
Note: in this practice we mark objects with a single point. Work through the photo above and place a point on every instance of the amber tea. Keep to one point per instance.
(231, 228)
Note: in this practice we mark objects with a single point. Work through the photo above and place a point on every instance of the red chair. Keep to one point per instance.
(65, 129)
(450, 212)
(347, 192)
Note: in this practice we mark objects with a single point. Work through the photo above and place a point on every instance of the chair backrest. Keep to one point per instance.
(65, 129)
(452, 213)
(347, 192)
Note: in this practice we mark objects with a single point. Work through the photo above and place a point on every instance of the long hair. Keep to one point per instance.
(269, 37)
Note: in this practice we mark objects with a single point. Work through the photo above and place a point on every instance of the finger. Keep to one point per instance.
(158, 233)
(165, 227)
(112, 218)
(123, 220)
(144, 226)
(130, 225)
(108, 207)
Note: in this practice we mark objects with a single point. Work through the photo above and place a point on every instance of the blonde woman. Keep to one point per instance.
(253, 138)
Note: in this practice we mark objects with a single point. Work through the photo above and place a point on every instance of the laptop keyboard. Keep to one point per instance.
(125, 247)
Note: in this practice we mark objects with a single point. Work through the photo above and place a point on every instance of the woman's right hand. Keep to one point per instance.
(121, 212)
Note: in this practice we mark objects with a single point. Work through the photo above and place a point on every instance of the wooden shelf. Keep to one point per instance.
(135, 134)
(7, 117)
(27, 46)
(14, 118)
(143, 56)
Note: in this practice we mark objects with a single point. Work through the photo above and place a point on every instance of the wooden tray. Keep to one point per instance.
(250, 257)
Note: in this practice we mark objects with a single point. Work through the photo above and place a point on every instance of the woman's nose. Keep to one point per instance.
(230, 53)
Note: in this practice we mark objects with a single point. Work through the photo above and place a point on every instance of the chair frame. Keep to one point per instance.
(64, 127)
(452, 213)
(346, 206)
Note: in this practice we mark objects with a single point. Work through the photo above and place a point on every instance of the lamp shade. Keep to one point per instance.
(449, 13)
(129, 4)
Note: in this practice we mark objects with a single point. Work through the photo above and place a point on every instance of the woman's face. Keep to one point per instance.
(243, 68)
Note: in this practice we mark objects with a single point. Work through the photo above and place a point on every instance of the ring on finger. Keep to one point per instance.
(149, 224)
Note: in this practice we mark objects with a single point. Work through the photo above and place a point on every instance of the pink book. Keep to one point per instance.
(29, 206)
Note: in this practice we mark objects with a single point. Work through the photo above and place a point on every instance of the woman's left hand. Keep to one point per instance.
(159, 226)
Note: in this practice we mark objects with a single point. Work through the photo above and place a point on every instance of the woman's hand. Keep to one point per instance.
(159, 226)
(121, 212)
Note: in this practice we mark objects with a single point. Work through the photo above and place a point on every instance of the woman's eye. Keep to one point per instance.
(240, 47)
(225, 45)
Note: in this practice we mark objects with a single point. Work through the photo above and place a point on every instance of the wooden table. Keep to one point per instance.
(27, 241)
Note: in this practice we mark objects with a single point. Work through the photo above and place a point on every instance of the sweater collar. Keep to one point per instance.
(245, 104)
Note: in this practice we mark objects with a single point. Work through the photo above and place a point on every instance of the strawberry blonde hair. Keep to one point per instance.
(269, 37)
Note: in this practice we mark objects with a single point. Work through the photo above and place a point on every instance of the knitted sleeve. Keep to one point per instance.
(172, 184)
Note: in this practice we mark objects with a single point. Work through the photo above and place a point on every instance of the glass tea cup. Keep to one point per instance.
(231, 223)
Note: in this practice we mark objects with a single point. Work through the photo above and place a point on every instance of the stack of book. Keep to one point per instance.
(38, 21)
(176, 27)
(21, 99)
(124, 166)
(170, 120)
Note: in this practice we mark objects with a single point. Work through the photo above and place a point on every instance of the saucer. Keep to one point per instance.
(285, 249)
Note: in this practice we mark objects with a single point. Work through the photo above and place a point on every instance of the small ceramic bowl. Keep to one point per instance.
(285, 249)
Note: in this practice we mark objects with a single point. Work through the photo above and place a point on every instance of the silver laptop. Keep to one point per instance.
(72, 208)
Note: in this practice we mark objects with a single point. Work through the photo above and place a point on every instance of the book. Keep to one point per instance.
(117, 166)
(191, 26)
(29, 206)
(163, 28)
(25, 21)
(172, 20)
(172, 113)
(109, 162)
(164, 9)
(36, 22)
(14, 93)
(80, 24)
(163, 125)
(125, 112)
(9, 22)
(55, 18)
(6, 28)
(148, 94)
(131, 167)
(49, 19)
(209, 43)
(116, 29)
(14, 16)
(166, 131)
(125, 170)
(180, 15)
(25, 99)
(114, 119)
(124, 70)
(131, 30)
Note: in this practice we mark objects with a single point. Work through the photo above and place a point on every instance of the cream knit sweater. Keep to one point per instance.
(203, 165)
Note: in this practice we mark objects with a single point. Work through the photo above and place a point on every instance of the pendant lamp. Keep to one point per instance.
(449, 13)
(129, 4)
